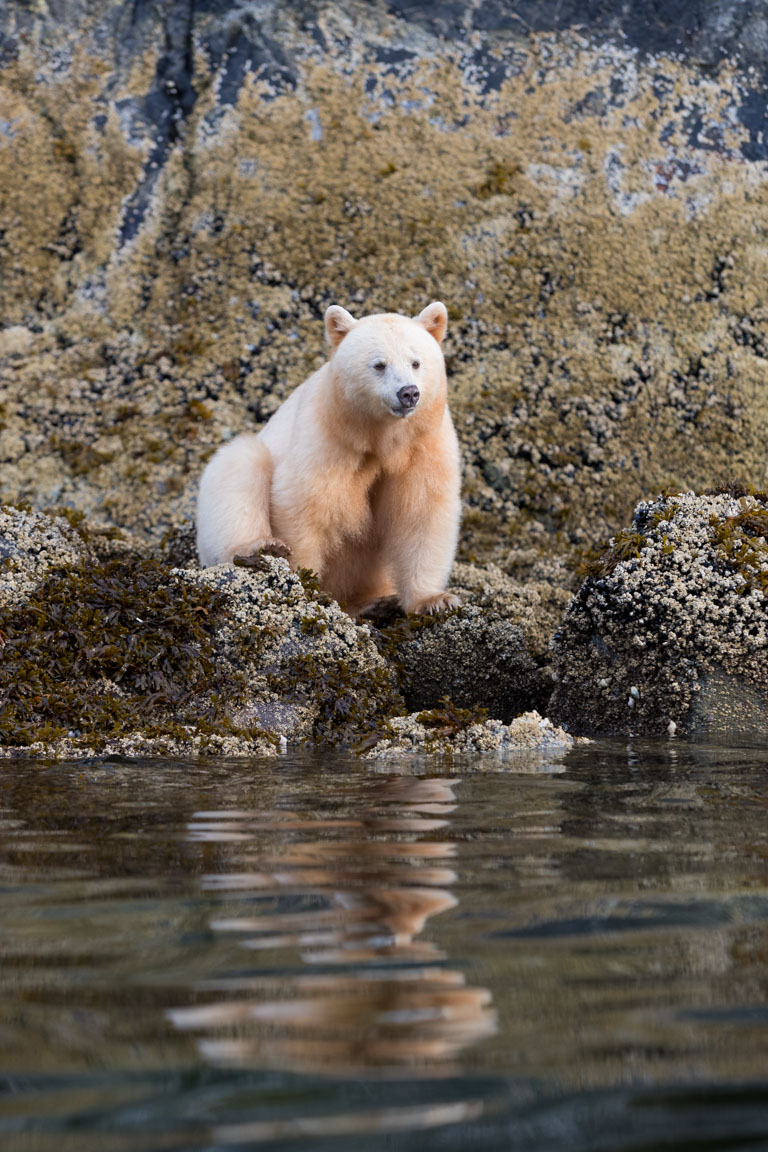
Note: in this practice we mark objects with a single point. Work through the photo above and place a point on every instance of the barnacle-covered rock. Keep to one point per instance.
(313, 674)
(528, 738)
(493, 652)
(669, 632)
(31, 545)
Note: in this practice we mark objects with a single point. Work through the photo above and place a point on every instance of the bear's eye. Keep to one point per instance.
(415, 364)
(379, 365)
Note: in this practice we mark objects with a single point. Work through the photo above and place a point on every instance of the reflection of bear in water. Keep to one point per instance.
(372, 994)
(356, 475)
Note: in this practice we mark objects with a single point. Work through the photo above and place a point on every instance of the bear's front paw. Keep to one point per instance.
(431, 605)
(269, 546)
(273, 547)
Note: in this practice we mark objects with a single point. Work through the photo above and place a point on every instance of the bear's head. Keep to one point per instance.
(388, 367)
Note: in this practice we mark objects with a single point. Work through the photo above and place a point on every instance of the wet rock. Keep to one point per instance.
(669, 634)
(528, 738)
(313, 674)
(115, 652)
(493, 652)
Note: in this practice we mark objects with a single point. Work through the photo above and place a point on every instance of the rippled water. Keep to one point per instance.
(313, 954)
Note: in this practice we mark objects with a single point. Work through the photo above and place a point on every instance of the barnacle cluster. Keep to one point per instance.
(678, 599)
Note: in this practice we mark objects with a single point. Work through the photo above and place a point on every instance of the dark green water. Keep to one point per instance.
(312, 954)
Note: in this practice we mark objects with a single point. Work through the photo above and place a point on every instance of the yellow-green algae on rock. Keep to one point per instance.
(590, 220)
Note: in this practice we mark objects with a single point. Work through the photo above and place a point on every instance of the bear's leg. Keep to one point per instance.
(421, 525)
(233, 504)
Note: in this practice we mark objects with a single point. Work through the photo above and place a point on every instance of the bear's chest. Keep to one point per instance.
(338, 500)
(347, 502)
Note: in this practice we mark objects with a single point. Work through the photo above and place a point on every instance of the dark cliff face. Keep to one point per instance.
(185, 187)
(237, 38)
(704, 31)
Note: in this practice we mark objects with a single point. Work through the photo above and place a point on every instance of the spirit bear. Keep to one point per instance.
(355, 476)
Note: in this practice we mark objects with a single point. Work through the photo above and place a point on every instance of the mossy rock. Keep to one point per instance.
(303, 657)
(101, 655)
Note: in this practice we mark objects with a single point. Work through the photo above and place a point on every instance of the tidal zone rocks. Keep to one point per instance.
(669, 632)
(105, 650)
(125, 654)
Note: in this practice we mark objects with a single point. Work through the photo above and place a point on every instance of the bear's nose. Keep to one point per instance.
(409, 396)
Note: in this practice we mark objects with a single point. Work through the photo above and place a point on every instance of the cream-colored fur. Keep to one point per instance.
(350, 476)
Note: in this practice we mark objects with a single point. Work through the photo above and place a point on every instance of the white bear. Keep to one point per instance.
(356, 475)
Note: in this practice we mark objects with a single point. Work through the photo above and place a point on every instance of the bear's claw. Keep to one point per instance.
(275, 548)
(442, 602)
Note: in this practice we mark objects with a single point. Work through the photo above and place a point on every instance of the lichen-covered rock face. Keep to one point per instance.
(669, 633)
(493, 652)
(184, 189)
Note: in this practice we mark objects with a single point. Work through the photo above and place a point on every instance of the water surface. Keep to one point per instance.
(315, 954)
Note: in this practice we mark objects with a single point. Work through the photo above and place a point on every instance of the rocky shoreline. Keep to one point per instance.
(107, 650)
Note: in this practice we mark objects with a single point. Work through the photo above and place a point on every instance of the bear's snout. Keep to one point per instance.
(408, 396)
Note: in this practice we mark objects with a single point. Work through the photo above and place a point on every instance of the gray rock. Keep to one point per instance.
(727, 704)
(669, 635)
(313, 673)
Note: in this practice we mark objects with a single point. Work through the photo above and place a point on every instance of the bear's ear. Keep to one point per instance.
(338, 322)
(435, 319)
